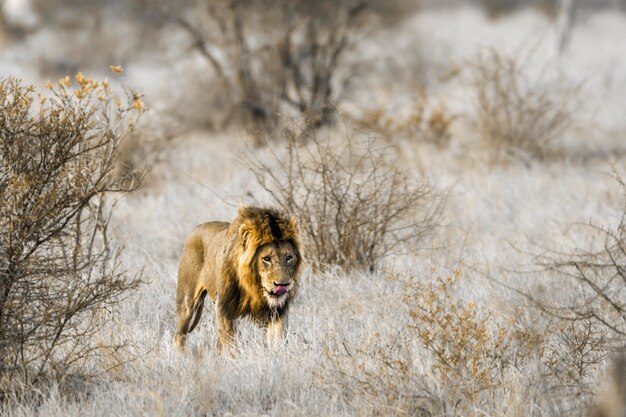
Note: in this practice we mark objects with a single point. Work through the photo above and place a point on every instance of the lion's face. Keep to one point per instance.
(276, 266)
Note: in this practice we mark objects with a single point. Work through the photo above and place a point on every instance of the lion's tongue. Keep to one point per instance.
(280, 289)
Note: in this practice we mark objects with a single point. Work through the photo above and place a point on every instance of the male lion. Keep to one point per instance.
(250, 268)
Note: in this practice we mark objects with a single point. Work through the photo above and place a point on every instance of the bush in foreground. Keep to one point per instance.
(59, 276)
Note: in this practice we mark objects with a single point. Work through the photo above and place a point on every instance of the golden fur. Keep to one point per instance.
(249, 268)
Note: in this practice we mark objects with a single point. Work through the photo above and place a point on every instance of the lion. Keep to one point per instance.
(249, 268)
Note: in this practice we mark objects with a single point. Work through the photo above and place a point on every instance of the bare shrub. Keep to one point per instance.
(273, 58)
(59, 274)
(515, 115)
(550, 8)
(393, 12)
(588, 310)
(355, 206)
(573, 354)
(595, 278)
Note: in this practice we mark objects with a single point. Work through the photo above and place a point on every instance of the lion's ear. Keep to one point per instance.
(293, 225)
(243, 210)
(244, 235)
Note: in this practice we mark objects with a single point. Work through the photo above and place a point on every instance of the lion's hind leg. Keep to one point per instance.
(189, 313)
(197, 311)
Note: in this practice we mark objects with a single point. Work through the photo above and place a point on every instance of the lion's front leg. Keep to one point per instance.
(276, 332)
(225, 328)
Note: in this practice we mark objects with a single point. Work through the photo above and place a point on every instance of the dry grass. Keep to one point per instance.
(597, 278)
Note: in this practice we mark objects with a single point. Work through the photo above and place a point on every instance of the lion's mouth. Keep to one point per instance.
(279, 290)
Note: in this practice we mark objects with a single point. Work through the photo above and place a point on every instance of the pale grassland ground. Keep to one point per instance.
(489, 206)
(335, 312)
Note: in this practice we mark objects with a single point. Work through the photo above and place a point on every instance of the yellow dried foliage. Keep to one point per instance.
(117, 69)
(468, 342)
(424, 121)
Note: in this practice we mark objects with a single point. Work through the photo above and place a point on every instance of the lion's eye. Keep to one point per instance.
(267, 259)
(289, 258)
